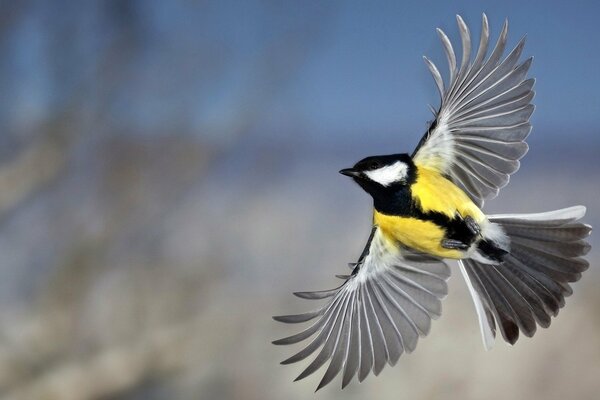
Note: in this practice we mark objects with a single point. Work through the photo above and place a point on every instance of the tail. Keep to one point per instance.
(530, 285)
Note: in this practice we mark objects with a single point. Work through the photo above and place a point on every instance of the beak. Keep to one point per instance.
(351, 172)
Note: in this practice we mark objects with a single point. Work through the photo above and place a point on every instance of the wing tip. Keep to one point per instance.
(485, 24)
(344, 384)
(324, 381)
(304, 295)
(280, 318)
(287, 361)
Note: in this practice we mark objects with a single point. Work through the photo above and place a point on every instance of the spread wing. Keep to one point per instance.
(379, 312)
(479, 132)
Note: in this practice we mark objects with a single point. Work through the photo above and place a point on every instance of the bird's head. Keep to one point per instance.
(380, 175)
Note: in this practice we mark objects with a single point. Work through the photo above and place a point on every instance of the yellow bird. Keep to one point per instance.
(427, 208)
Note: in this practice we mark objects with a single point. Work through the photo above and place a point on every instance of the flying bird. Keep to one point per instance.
(427, 208)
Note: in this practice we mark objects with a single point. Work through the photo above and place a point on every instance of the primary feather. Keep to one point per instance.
(479, 132)
(376, 315)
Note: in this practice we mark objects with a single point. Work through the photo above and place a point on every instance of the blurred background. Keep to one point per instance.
(168, 176)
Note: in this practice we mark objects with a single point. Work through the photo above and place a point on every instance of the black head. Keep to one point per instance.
(379, 175)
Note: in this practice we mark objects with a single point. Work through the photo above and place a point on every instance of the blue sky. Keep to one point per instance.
(367, 76)
(339, 70)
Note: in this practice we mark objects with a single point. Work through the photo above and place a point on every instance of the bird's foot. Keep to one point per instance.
(454, 244)
(472, 225)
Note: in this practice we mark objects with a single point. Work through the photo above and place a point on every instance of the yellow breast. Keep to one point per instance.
(432, 192)
(436, 193)
(423, 236)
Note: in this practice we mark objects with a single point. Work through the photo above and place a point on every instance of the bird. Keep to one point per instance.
(427, 209)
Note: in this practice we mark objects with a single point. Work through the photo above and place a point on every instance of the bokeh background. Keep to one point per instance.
(168, 175)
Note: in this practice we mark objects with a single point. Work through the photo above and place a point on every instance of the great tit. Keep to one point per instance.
(427, 208)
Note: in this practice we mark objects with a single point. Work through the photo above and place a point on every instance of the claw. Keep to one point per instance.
(472, 225)
(454, 244)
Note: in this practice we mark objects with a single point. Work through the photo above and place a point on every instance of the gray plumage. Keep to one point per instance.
(530, 286)
(479, 132)
(379, 313)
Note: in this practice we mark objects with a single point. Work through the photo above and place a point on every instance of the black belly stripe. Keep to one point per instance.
(404, 205)
(401, 203)
(455, 228)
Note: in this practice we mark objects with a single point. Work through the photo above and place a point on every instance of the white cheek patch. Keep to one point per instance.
(389, 174)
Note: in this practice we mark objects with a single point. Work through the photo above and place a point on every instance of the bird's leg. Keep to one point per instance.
(462, 234)
(454, 244)
(472, 225)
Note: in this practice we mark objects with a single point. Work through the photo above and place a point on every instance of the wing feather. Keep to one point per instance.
(340, 351)
(479, 132)
(367, 349)
(439, 81)
(390, 334)
(354, 345)
(330, 343)
(450, 56)
(379, 313)
(380, 350)
(465, 37)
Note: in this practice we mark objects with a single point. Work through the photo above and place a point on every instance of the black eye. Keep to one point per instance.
(373, 165)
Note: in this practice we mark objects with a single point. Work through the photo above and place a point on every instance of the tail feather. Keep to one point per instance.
(544, 219)
(567, 233)
(558, 249)
(530, 285)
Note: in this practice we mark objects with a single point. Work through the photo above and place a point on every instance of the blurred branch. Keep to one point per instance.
(113, 370)
(140, 186)
(33, 169)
